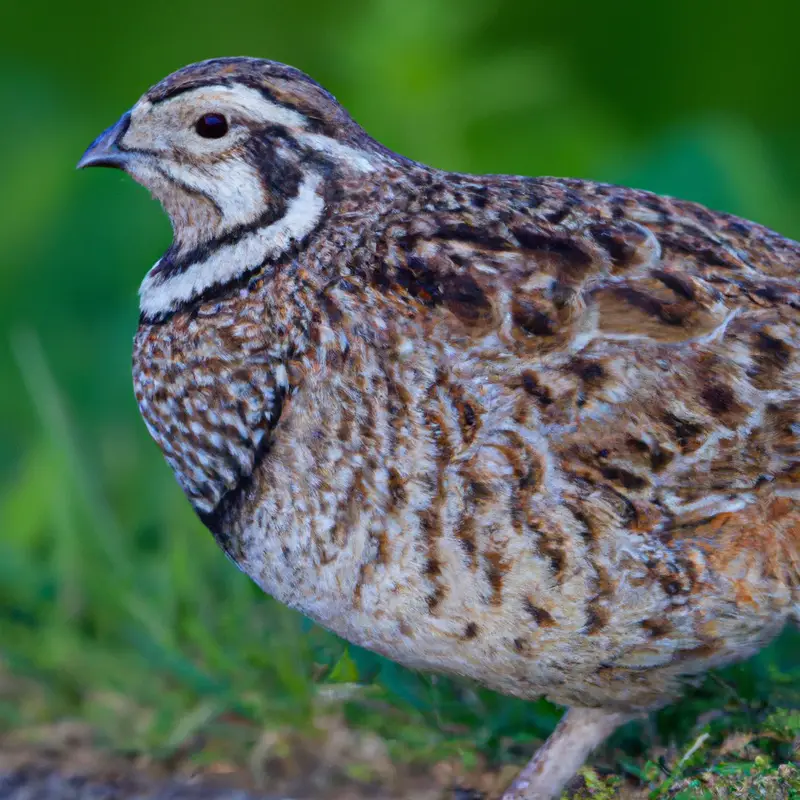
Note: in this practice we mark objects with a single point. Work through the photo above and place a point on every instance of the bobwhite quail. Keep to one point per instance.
(541, 433)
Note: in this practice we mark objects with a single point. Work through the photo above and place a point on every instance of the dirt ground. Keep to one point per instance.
(63, 762)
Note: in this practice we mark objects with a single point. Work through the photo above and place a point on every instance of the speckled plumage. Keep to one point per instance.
(542, 433)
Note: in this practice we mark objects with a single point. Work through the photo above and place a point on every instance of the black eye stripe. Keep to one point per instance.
(211, 126)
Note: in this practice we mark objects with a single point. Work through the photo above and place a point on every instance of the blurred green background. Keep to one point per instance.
(113, 598)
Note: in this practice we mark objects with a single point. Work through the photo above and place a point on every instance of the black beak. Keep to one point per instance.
(104, 151)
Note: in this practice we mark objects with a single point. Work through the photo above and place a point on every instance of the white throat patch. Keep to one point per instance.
(160, 295)
(234, 185)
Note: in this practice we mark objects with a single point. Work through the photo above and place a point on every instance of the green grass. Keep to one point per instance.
(152, 637)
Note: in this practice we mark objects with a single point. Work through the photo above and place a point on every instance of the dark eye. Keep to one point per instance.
(211, 126)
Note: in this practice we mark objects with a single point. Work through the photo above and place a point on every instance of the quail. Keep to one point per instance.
(542, 433)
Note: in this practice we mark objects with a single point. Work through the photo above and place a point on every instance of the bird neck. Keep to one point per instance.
(182, 276)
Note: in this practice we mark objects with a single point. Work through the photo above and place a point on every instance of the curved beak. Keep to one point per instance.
(104, 151)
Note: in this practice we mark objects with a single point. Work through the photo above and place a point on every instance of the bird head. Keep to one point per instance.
(244, 155)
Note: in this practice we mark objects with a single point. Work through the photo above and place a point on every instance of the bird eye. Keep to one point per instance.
(211, 126)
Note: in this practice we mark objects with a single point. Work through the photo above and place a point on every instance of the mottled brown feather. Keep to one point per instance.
(543, 433)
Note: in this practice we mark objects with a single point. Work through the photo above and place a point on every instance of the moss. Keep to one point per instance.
(596, 787)
(756, 780)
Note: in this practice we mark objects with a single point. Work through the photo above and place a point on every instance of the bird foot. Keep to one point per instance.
(580, 731)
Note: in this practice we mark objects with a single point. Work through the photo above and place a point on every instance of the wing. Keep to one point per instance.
(661, 337)
(645, 353)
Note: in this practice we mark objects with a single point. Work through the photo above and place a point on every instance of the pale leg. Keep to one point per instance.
(564, 753)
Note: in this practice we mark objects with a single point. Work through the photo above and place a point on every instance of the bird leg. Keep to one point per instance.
(579, 732)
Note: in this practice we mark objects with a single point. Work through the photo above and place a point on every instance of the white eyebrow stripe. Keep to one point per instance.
(159, 295)
(358, 160)
(258, 107)
(254, 105)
